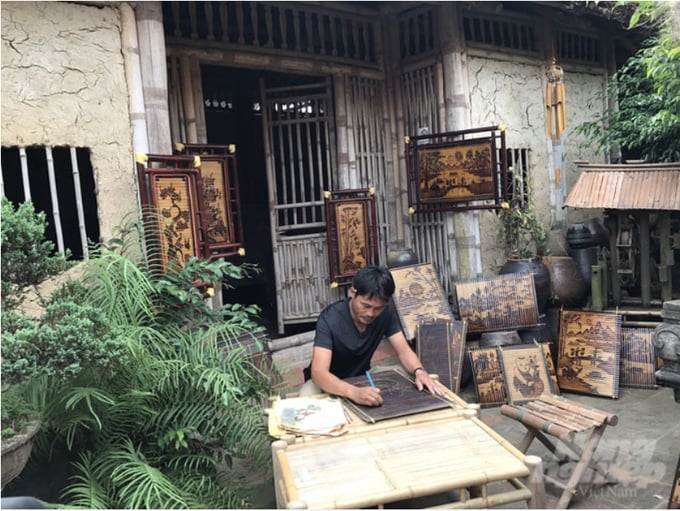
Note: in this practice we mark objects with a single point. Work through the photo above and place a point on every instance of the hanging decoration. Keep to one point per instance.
(555, 101)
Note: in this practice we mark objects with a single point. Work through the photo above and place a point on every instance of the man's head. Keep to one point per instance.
(372, 287)
(374, 282)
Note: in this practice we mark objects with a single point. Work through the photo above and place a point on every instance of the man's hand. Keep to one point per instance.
(367, 396)
(423, 381)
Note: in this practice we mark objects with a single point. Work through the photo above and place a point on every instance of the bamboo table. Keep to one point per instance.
(429, 454)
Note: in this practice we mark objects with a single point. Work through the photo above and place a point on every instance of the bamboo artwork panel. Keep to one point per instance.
(400, 397)
(223, 231)
(440, 345)
(419, 297)
(501, 302)
(169, 185)
(638, 363)
(487, 373)
(351, 230)
(456, 170)
(547, 352)
(525, 371)
(589, 352)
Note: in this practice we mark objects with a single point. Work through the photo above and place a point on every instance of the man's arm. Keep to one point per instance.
(410, 361)
(328, 382)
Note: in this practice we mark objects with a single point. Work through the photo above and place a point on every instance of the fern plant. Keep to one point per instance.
(163, 428)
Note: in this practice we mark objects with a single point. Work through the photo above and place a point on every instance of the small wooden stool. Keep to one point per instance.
(555, 416)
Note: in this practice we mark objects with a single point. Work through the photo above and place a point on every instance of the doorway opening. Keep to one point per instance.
(233, 115)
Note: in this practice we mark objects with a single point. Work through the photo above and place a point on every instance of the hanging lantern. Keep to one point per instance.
(555, 101)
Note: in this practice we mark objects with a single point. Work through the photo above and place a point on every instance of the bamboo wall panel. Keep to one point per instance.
(638, 363)
(305, 290)
(367, 139)
(430, 231)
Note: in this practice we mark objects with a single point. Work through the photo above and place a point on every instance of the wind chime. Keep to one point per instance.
(555, 100)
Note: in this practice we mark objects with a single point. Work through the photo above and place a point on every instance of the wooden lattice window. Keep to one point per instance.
(500, 33)
(578, 47)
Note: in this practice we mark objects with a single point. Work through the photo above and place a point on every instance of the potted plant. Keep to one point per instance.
(524, 238)
(27, 260)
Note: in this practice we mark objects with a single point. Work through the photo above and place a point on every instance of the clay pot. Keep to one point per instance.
(567, 287)
(541, 277)
(403, 257)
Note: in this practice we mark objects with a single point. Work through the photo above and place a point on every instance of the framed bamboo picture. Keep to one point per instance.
(501, 302)
(487, 374)
(525, 371)
(440, 345)
(547, 353)
(351, 232)
(638, 363)
(419, 296)
(223, 228)
(457, 170)
(169, 193)
(589, 352)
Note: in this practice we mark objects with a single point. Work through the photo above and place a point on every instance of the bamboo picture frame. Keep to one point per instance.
(547, 352)
(440, 345)
(674, 500)
(487, 374)
(526, 372)
(223, 229)
(351, 232)
(419, 296)
(501, 302)
(638, 362)
(458, 170)
(589, 352)
(169, 185)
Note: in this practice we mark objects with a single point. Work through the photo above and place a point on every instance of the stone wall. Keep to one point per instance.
(63, 83)
(512, 92)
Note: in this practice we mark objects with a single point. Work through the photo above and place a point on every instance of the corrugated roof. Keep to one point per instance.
(630, 186)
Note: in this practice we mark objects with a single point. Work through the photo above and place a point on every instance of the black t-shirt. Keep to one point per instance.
(352, 351)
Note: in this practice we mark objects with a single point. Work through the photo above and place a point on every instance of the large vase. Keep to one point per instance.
(16, 451)
(540, 273)
(567, 287)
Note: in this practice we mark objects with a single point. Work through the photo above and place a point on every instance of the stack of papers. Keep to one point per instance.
(307, 416)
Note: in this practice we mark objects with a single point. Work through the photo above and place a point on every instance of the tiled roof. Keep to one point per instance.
(653, 186)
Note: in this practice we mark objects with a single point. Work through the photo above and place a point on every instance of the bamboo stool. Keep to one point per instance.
(551, 415)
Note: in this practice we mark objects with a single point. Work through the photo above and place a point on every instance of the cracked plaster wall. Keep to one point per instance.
(513, 93)
(63, 83)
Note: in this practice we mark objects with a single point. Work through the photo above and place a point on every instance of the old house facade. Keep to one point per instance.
(315, 96)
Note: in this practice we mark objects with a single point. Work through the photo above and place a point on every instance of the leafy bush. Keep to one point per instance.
(27, 257)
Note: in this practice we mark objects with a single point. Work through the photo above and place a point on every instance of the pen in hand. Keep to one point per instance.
(370, 379)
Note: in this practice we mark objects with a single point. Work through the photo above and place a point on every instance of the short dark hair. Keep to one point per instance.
(374, 281)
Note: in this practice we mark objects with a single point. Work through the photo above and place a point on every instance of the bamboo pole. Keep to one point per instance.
(188, 103)
(79, 201)
(133, 78)
(54, 198)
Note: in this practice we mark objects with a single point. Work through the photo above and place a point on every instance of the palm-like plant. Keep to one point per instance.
(162, 429)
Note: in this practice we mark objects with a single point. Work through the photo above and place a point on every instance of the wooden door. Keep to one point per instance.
(300, 158)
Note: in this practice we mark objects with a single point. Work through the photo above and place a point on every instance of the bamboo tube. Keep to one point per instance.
(534, 421)
(286, 475)
(592, 413)
(535, 482)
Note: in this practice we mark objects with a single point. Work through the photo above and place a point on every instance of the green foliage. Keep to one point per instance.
(161, 428)
(521, 233)
(27, 258)
(646, 121)
(66, 338)
(16, 411)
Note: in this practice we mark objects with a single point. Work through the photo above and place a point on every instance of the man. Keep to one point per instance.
(349, 331)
